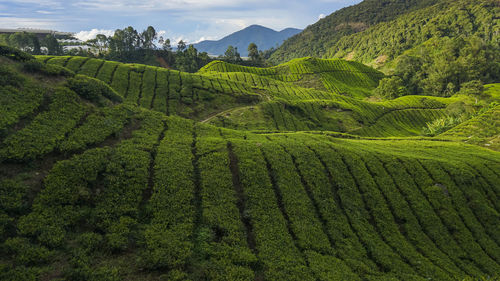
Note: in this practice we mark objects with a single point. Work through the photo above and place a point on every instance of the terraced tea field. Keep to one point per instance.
(251, 98)
(145, 173)
(337, 76)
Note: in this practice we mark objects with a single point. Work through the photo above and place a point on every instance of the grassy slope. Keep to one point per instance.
(149, 196)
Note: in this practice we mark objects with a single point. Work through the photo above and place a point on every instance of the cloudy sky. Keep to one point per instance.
(190, 20)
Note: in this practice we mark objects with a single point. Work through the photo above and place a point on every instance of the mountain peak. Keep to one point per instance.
(264, 37)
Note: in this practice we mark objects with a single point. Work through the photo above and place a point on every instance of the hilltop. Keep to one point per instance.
(265, 38)
(112, 171)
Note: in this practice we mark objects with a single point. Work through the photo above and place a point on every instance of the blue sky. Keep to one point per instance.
(190, 20)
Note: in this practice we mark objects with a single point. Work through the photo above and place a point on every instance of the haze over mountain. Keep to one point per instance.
(264, 37)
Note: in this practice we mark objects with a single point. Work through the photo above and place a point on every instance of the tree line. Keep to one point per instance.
(443, 67)
(29, 42)
(131, 46)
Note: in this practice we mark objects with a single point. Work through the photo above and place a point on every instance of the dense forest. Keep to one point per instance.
(435, 50)
(319, 37)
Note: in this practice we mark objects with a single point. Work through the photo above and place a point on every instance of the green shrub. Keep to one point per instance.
(169, 239)
(91, 67)
(442, 125)
(18, 273)
(13, 195)
(16, 104)
(49, 69)
(390, 88)
(120, 79)
(93, 89)
(69, 182)
(110, 121)
(43, 133)
(33, 66)
(9, 77)
(118, 236)
(105, 273)
(6, 223)
(14, 53)
(90, 241)
(82, 268)
(26, 253)
(56, 70)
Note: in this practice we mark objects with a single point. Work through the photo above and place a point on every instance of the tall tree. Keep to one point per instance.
(148, 37)
(52, 45)
(101, 43)
(165, 44)
(232, 54)
(181, 46)
(253, 52)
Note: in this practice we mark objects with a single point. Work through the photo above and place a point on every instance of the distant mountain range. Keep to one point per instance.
(264, 37)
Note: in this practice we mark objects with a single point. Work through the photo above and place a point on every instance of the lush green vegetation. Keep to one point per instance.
(131, 46)
(30, 42)
(318, 38)
(304, 94)
(337, 76)
(109, 171)
(436, 50)
(168, 91)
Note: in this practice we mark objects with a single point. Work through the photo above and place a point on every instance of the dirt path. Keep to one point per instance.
(212, 116)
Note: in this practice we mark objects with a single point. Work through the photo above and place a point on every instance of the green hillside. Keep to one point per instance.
(386, 41)
(113, 171)
(435, 47)
(319, 37)
(304, 94)
(336, 76)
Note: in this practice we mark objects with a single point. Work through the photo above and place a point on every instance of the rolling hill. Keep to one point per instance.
(109, 171)
(265, 38)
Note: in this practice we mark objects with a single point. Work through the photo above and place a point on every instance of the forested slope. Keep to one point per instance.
(319, 37)
(382, 43)
(95, 185)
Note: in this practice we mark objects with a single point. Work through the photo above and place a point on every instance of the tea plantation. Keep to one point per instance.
(113, 171)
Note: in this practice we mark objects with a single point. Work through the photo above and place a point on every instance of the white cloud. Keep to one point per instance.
(176, 40)
(203, 38)
(91, 34)
(41, 3)
(43, 12)
(321, 16)
(161, 33)
(190, 20)
(158, 5)
(238, 23)
(21, 22)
